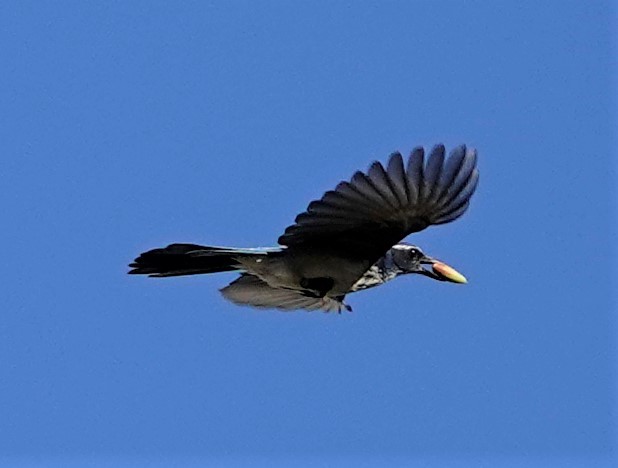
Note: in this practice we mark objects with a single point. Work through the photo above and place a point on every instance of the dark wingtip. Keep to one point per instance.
(375, 165)
(139, 271)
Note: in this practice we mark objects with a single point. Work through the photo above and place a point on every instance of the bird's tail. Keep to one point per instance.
(189, 259)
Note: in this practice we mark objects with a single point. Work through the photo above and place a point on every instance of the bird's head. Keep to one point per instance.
(411, 259)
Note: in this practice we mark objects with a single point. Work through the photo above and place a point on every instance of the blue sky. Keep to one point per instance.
(130, 125)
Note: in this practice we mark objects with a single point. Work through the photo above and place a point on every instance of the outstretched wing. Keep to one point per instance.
(252, 291)
(372, 212)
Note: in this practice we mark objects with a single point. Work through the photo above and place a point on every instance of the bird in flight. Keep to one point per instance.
(347, 241)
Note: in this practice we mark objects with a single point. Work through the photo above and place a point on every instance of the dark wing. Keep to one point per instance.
(252, 291)
(374, 211)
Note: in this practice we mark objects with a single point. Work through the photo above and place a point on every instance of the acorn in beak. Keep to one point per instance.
(441, 271)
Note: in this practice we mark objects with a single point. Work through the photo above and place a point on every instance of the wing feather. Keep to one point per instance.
(366, 216)
(415, 174)
(468, 165)
(364, 185)
(381, 181)
(397, 175)
(431, 174)
(450, 170)
(449, 216)
(251, 291)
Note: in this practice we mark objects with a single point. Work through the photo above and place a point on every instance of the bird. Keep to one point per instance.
(349, 240)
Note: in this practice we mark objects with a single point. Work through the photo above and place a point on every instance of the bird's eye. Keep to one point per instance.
(415, 253)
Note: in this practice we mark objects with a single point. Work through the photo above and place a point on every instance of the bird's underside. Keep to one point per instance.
(344, 242)
(251, 290)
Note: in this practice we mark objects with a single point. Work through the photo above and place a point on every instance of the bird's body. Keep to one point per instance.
(292, 270)
(288, 270)
(345, 242)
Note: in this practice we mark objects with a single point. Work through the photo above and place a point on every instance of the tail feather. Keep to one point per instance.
(185, 259)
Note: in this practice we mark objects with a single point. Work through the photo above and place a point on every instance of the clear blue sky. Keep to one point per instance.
(130, 125)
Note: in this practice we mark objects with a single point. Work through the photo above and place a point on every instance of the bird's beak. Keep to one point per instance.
(441, 271)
